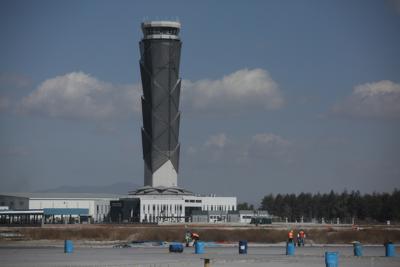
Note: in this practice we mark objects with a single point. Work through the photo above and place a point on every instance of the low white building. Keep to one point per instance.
(162, 204)
(245, 216)
(97, 204)
(176, 208)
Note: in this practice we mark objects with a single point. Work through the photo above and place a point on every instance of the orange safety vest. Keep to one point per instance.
(290, 234)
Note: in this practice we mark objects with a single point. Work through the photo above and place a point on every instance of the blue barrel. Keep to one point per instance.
(243, 247)
(331, 259)
(199, 248)
(290, 248)
(357, 248)
(68, 246)
(176, 247)
(390, 250)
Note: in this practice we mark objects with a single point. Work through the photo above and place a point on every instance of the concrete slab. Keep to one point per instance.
(160, 257)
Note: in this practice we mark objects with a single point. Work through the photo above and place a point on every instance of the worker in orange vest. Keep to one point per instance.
(195, 238)
(290, 236)
(300, 238)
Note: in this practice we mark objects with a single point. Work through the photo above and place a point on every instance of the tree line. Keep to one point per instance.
(375, 207)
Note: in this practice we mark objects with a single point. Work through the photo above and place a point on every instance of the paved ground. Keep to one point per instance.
(160, 257)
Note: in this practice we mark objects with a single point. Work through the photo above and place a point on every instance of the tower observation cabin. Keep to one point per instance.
(161, 30)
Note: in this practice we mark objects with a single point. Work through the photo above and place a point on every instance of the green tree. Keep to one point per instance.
(267, 203)
(245, 206)
(377, 207)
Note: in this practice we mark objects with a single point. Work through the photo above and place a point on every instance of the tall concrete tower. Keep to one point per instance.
(160, 51)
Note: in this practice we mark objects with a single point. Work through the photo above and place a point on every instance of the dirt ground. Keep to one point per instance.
(318, 234)
(273, 256)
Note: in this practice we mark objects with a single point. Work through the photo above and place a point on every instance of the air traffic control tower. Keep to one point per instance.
(160, 51)
(161, 199)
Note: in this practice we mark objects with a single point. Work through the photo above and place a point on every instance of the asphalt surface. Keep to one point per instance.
(219, 256)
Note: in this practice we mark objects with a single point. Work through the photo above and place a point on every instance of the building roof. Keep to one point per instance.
(161, 23)
(63, 195)
(47, 211)
(161, 190)
(21, 212)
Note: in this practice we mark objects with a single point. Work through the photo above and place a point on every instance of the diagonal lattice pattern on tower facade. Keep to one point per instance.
(159, 66)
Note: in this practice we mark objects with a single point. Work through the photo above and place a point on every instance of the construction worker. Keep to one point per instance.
(188, 238)
(195, 237)
(301, 235)
(290, 236)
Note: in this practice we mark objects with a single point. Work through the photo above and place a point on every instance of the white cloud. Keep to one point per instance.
(12, 86)
(260, 146)
(372, 100)
(242, 89)
(219, 141)
(78, 95)
(267, 146)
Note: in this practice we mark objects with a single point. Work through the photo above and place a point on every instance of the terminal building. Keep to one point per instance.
(154, 205)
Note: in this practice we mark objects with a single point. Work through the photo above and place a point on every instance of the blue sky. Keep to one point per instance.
(278, 96)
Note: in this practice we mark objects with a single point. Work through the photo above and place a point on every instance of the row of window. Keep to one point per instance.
(154, 218)
(161, 30)
(102, 209)
(193, 200)
(212, 217)
(157, 208)
(218, 207)
(11, 203)
(177, 208)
